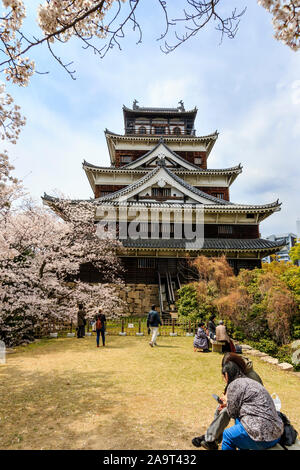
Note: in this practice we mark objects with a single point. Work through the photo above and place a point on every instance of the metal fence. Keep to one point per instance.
(127, 326)
(133, 326)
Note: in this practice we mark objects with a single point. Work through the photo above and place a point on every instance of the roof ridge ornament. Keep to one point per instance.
(181, 107)
(134, 105)
(161, 162)
(161, 183)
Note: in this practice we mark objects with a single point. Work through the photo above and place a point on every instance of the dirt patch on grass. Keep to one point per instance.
(68, 394)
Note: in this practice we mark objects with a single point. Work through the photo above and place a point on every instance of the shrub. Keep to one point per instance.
(281, 308)
(296, 332)
(267, 346)
(284, 354)
(187, 303)
(258, 303)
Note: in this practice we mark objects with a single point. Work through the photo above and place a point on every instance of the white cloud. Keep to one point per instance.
(266, 142)
(168, 91)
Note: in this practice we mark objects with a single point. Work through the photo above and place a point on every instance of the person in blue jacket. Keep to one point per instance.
(153, 322)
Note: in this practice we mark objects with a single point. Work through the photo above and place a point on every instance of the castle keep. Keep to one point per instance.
(159, 180)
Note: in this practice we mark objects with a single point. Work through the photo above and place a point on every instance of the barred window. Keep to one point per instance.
(125, 158)
(159, 130)
(146, 263)
(104, 193)
(197, 160)
(218, 195)
(161, 191)
(225, 229)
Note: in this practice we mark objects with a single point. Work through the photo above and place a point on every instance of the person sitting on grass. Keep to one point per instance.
(257, 423)
(214, 433)
(201, 342)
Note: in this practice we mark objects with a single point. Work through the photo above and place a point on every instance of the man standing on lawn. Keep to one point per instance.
(153, 321)
(81, 322)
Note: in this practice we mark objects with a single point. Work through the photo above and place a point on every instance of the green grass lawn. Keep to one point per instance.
(67, 394)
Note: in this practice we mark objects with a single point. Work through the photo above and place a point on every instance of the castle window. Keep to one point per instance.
(177, 130)
(125, 158)
(159, 130)
(161, 192)
(198, 160)
(218, 195)
(104, 193)
(225, 229)
(142, 130)
(130, 127)
(146, 263)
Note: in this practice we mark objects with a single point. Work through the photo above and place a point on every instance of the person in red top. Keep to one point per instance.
(100, 327)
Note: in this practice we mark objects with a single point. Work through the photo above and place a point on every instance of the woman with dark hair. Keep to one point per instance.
(214, 432)
(201, 340)
(211, 326)
(243, 363)
(257, 424)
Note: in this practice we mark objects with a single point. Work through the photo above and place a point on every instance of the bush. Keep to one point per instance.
(259, 303)
(267, 346)
(187, 303)
(237, 334)
(296, 332)
(284, 354)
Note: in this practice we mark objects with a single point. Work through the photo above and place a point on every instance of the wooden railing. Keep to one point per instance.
(168, 133)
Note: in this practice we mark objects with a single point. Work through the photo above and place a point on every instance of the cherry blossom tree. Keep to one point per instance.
(11, 122)
(92, 21)
(286, 20)
(40, 262)
(10, 187)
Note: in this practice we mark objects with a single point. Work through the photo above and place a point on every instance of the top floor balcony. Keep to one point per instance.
(160, 130)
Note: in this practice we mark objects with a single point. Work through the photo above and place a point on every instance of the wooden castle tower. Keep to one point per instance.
(159, 166)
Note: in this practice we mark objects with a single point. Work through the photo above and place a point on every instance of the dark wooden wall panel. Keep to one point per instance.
(214, 190)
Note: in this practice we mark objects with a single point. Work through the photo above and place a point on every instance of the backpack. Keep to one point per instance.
(289, 435)
(98, 324)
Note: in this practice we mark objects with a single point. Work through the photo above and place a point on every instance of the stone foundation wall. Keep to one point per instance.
(139, 298)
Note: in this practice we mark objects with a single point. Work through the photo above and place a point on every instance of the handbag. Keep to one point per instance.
(289, 434)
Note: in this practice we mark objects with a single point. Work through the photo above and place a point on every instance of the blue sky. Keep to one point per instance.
(247, 88)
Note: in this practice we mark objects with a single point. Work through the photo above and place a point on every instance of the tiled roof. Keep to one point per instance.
(234, 169)
(172, 137)
(215, 244)
(162, 142)
(144, 179)
(195, 190)
(179, 205)
(140, 109)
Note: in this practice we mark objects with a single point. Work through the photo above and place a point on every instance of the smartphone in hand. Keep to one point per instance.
(218, 399)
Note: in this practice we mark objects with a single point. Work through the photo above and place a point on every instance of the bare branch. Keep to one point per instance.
(202, 13)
